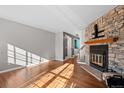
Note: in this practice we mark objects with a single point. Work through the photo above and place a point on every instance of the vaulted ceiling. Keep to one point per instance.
(55, 18)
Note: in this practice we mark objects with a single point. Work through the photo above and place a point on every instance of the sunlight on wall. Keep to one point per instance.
(22, 57)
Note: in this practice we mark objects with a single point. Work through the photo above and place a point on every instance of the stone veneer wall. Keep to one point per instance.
(113, 25)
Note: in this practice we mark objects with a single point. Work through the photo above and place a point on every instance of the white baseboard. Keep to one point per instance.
(81, 62)
(11, 69)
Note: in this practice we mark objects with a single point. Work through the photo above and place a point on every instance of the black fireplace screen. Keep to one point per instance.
(99, 57)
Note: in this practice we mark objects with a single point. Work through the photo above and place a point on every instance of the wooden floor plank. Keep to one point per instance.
(52, 74)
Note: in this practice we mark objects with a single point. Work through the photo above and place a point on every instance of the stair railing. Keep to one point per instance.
(82, 47)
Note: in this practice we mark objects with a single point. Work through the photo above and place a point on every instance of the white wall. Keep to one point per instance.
(69, 47)
(59, 46)
(83, 57)
(34, 40)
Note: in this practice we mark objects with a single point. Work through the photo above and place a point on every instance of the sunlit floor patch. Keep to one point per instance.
(58, 82)
(55, 78)
(59, 69)
(65, 76)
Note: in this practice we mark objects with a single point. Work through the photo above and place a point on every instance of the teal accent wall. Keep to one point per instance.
(77, 43)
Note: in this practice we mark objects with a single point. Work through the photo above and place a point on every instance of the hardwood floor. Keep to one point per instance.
(52, 74)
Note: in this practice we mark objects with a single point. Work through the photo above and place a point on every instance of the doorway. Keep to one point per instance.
(69, 47)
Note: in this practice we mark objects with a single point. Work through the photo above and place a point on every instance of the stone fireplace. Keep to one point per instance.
(99, 57)
(106, 54)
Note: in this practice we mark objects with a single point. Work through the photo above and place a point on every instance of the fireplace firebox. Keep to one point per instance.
(99, 57)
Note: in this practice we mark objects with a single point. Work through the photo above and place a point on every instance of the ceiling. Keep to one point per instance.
(54, 18)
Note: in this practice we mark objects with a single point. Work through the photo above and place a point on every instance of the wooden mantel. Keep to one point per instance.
(108, 40)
